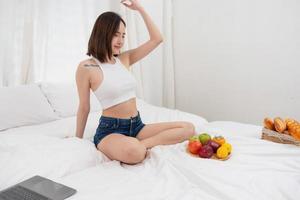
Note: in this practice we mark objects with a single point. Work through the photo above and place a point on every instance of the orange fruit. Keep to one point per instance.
(219, 139)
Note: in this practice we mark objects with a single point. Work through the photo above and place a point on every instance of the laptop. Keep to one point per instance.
(37, 188)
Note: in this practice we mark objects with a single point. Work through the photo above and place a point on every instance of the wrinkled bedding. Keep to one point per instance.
(257, 169)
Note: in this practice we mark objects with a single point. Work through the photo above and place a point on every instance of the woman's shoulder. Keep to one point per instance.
(88, 63)
(86, 67)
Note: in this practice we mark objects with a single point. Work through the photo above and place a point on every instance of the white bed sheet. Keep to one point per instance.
(257, 169)
(44, 149)
(23, 156)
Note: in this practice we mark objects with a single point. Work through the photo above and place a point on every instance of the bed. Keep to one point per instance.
(44, 145)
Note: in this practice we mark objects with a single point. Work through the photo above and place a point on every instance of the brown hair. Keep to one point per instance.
(106, 25)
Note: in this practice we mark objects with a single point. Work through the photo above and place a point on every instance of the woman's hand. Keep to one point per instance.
(132, 4)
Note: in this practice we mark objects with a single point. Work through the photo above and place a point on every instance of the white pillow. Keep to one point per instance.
(24, 105)
(64, 99)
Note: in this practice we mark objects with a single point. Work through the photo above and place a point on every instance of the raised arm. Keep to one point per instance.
(132, 56)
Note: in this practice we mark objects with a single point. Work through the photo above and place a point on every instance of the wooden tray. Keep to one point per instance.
(274, 136)
(214, 157)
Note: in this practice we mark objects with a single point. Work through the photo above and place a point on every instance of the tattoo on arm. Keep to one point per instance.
(91, 65)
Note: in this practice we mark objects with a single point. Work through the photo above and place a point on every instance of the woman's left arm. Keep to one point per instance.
(134, 55)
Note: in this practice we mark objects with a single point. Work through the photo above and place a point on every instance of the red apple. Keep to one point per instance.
(194, 146)
(206, 151)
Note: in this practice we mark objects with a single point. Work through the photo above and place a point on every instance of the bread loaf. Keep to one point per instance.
(288, 126)
(279, 125)
(294, 130)
(268, 123)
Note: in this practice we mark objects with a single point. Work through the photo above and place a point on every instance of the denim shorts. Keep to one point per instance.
(128, 127)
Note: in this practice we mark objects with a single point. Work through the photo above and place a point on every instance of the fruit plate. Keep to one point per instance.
(214, 157)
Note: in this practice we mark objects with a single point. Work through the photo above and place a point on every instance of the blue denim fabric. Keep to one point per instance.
(128, 127)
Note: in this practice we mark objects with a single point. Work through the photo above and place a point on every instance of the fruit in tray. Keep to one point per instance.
(204, 138)
(219, 139)
(288, 126)
(224, 150)
(214, 145)
(206, 146)
(194, 146)
(206, 151)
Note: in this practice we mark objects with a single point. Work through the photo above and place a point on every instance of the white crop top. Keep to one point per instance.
(117, 86)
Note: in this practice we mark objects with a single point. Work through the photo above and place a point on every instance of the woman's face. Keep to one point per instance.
(118, 39)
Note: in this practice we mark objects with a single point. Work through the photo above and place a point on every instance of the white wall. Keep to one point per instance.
(238, 60)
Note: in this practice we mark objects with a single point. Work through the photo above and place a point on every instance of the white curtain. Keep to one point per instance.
(24, 40)
(168, 57)
(45, 41)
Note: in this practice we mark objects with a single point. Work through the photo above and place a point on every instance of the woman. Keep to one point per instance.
(121, 135)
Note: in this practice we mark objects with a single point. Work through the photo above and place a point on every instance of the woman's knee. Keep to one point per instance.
(134, 153)
(189, 130)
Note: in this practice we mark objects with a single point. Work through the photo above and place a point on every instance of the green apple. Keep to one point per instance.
(194, 138)
(204, 138)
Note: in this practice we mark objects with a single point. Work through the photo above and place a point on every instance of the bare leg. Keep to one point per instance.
(165, 133)
(171, 136)
(122, 148)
